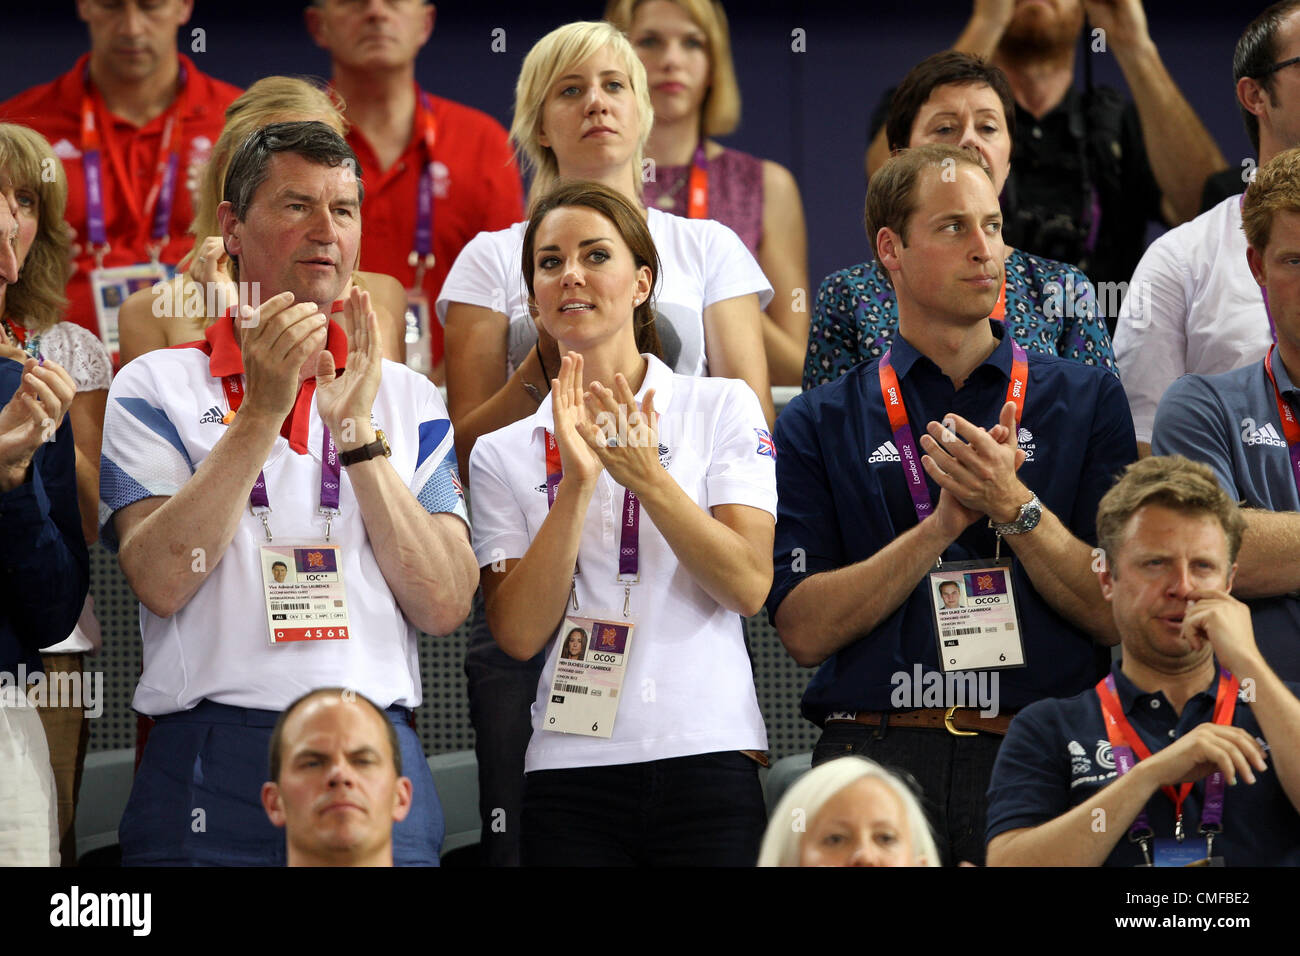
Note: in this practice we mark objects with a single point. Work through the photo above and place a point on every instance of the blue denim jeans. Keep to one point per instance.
(196, 799)
(952, 772)
(702, 810)
(501, 692)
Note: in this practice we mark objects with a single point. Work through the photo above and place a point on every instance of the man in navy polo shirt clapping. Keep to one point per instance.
(956, 456)
(1243, 423)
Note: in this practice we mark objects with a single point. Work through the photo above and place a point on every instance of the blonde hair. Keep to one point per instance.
(266, 100)
(720, 111)
(37, 299)
(548, 60)
(815, 788)
(1276, 188)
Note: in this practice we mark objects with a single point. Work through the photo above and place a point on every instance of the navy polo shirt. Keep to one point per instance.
(843, 496)
(1231, 423)
(1057, 755)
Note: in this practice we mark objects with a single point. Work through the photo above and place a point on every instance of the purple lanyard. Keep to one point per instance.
(421, 257)
(161, 193)
(629, 543)
(330, 469)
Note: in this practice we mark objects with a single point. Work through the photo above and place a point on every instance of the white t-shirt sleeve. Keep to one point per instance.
(742, 470)
(142, 455)
(500, 529)
(479, 275)
(436, 482)
(1151, 331)
(730, 268)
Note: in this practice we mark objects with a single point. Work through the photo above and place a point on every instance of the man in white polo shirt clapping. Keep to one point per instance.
(278, 439)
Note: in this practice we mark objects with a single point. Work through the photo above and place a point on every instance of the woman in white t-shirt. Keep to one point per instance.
(639, 505)
(582, 112)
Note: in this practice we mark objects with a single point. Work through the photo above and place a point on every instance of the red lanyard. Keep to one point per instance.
(1000, 307)
(899, 424)
(158, 202)
(1124, 741)
(697, 202)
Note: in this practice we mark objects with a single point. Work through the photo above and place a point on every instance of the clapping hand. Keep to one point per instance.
(625, 438)
(580, 463)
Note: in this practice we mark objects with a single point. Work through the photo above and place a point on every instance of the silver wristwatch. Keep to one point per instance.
(1030, 513)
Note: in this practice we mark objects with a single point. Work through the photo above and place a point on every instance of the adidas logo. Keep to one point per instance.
(212, 416)
(1267, 435)
(886, 452)
(65, 150)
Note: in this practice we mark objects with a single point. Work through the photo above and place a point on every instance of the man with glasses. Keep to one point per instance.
(1192, 305)
(133, 120)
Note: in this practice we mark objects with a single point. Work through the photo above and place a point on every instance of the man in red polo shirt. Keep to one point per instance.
(133, 120)
(437, 173)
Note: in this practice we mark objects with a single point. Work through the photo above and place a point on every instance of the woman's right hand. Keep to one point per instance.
(578, 460)
(212, 265)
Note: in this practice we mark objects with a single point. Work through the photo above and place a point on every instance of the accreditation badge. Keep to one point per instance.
(419, 338)
(589, 674)
(110, 287)
(976, 621)
(304, 593)
(1171, 852)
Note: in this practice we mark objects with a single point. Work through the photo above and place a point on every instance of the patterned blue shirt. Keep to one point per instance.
(1051, 308)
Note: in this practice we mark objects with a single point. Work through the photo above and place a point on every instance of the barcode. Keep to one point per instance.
(571, 688)
(290, 606)
(958, 631)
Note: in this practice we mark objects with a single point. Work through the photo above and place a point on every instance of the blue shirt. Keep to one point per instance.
(44, 566)
(1057, 755)
(1231, 423)
(842, 497)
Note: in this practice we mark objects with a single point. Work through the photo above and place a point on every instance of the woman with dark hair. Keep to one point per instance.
(1049, 306)
(575, 645)
(685, 46)
(642, 502)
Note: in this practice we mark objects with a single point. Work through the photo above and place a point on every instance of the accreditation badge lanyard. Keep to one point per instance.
(629, 544)
(1128, 748)
(330, 469)
(1000, 307)
(1290, 426)
(697, 195)
(161, 196)
(419, 335)
(892, 392)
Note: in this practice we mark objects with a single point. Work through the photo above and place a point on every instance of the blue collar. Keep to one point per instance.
(904, 355)
(1130, 696)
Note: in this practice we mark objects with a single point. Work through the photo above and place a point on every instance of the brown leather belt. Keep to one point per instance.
(958, 721)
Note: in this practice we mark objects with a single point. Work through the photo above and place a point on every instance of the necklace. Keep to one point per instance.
(31, 344)
(666, 200)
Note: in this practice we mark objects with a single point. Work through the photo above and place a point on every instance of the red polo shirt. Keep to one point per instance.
(476, 187)
(128, 161)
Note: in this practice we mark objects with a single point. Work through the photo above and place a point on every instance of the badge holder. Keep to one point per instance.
(303, 588)
(976, 615)
(419, 315)
(110, 287)
(588, 681)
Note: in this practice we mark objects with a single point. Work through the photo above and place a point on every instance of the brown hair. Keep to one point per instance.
(944, 69)
(626, 218)
(37, 299)
(1171, 481)
(1276, 189)
(891, 194)
(720, 111)
(277, 735)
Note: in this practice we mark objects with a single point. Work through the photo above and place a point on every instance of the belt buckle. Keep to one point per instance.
(948, 725)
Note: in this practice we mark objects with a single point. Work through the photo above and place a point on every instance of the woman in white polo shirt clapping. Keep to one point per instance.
(638, 505)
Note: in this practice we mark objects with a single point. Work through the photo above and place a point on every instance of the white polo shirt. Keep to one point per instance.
(701, 262)
(689, 687)
(163, 419)
(1192, 306)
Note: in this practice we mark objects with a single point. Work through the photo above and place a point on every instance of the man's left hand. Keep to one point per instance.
(1218, 617)
(345, 400)
(977, 467)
